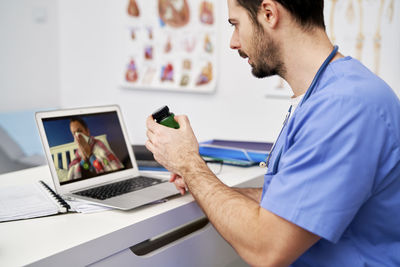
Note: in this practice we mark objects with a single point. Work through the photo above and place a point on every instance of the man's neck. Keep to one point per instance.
(303, 54)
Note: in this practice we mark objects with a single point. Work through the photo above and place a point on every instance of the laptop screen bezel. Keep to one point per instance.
(102, 179)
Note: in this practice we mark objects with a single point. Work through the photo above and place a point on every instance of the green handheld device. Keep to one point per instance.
(165, 117)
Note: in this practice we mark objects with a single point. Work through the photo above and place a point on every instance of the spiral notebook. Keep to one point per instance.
(30, 201)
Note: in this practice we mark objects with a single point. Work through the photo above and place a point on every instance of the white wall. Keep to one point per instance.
(68, 53)
(91, 66)
(28, 54)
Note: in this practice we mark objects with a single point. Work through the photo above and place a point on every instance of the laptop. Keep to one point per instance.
(91, 159)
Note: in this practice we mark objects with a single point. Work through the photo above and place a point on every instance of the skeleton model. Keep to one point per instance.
(332, 21)
(378, 39)
(360, 35)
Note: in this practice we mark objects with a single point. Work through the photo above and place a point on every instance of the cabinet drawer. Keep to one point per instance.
(203, 247)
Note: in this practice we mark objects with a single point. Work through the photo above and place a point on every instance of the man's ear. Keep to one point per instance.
(270, 13)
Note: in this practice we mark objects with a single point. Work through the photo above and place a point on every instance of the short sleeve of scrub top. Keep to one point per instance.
(328, 164)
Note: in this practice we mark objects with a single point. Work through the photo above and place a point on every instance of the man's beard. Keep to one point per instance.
(266, 56)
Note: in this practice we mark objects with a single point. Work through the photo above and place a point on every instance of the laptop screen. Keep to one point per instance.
(86, 146)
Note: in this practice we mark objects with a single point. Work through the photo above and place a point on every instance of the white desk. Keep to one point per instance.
(104, 238)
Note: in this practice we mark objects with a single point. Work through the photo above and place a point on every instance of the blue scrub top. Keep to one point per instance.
(339, 173)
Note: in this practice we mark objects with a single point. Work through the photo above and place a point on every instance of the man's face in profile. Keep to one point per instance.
(76, 126)
(254, 42)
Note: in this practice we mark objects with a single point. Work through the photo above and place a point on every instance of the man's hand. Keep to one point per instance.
(179, 183)
(172, 148)
(83, 147)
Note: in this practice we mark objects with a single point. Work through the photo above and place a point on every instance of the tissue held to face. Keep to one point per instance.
(77, 134)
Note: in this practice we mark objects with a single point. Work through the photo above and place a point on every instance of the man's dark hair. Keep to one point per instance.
(80, 120)
(308, 13)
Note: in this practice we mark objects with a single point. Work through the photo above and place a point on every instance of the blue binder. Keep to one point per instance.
(241, 153)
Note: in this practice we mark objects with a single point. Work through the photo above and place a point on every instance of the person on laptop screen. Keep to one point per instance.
(92, 156)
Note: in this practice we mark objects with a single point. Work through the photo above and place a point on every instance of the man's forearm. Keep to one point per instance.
(234, 215)
(259, 236)
(253, 193)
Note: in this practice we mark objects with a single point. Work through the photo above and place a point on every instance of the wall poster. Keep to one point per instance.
(171, 45)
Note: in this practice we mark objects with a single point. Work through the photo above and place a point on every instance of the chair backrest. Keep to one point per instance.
(9, 147)
(10, 153)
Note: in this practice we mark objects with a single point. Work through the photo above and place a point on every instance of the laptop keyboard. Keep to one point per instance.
(115, 189)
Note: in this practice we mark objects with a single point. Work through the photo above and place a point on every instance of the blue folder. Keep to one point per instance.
(241, 153)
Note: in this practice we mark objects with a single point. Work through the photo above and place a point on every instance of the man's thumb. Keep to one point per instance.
(182, 120)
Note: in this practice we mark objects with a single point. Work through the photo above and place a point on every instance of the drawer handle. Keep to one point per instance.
(164, 239)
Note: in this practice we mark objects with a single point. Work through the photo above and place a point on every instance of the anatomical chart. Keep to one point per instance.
(367, 30)
(171, 45)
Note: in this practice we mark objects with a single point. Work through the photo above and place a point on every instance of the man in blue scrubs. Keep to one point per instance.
(331, 195)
